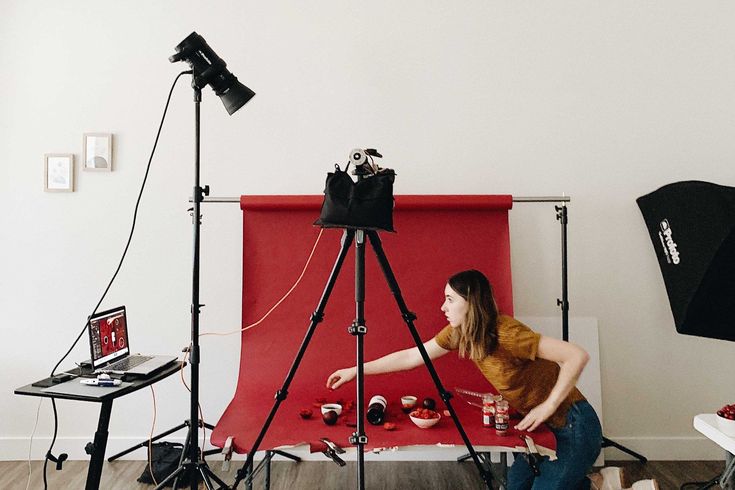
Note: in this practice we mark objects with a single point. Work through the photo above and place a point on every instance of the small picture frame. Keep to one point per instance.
(58, 172)
(97, 152)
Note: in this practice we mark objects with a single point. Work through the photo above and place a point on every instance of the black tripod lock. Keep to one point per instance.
(358, 330)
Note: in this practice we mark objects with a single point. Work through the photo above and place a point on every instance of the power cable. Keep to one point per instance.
(61, 457)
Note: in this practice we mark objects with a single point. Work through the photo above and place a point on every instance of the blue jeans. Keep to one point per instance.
(578, 444)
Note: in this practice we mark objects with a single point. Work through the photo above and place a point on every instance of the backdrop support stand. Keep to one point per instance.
(562, 217)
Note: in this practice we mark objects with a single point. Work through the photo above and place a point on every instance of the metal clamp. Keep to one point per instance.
(534, 458)
(332, 445)
(227, 451)
(332, 451)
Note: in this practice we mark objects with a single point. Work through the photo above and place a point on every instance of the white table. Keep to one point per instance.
(706, 423)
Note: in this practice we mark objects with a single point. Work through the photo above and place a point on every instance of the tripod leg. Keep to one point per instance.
(287, 455)
(184, 451)
(172, 476)
(267, 479)
(359, 330)
(316, 318)
(409, 317)
(607, 443)
(464, 457)
(205, 478)
(213, 476)
(145, 443)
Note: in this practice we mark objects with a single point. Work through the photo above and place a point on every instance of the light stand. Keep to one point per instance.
(207, 69)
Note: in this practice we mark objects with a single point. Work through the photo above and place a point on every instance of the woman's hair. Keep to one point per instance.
(478, 334)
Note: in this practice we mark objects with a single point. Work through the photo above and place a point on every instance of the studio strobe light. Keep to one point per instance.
(210, 69)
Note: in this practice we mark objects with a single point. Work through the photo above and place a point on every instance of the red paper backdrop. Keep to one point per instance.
(436, 237)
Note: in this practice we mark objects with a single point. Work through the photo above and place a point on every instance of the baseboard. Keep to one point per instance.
(653, 448)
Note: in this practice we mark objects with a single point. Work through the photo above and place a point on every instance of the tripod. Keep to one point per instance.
(358, 330)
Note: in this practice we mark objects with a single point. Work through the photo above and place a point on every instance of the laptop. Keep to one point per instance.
(110, 349)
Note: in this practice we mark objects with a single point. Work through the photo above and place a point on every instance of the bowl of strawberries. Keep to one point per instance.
(424, 418)
(726, 420)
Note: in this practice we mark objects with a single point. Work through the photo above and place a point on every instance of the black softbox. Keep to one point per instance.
(692, 228)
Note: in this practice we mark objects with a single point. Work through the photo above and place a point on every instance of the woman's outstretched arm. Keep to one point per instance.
(401, 360)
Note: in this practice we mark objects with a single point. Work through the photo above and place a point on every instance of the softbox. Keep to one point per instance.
(692, 228)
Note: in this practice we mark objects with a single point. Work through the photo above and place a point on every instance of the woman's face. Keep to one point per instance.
(454, 307)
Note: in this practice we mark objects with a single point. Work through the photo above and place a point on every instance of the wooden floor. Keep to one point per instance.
(121, 475)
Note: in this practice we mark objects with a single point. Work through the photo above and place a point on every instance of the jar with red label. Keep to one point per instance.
(488, 411)
(501, 417)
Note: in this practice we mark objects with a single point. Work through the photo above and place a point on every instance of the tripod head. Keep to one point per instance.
(363, 163)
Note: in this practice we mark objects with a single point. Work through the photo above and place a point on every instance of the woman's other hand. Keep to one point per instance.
(537, 416)
(340, 377)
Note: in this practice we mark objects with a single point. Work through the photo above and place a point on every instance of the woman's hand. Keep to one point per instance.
(340, 377)
(537, 416)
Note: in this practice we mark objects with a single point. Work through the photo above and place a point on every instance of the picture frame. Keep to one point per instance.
(58, 172)
(97, 156)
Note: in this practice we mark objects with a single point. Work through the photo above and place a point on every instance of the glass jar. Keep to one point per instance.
(488, 411)
(501, 417)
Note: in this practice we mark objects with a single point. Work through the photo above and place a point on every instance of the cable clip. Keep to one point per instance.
(357, 329)
(355, 439)
(409, 316)
(59, 461)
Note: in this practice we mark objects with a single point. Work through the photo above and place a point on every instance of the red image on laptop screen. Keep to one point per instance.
(108, 336)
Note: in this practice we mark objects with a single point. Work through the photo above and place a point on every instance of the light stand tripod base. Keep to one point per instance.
(161, 436)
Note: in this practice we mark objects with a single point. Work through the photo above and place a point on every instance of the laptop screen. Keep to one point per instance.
(108, 336)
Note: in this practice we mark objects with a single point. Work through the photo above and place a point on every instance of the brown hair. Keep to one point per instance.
(478, 334)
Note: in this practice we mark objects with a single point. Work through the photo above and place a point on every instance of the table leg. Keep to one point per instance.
(97, 456)
(727, 480)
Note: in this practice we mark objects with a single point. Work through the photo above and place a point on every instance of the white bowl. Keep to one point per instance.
(727, 426)
(425, 423)
(408, 401)
(335, 407)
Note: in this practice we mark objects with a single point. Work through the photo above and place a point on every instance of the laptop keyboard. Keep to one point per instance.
(128, 363)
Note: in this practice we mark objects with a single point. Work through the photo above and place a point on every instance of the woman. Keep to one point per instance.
(536, 374)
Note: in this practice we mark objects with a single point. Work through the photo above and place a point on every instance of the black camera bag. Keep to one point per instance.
(365, 204)
(164, 461)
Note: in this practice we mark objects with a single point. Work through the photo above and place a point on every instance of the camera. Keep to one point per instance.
(363, 162)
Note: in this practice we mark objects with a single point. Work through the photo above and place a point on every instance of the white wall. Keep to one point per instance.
(603, 101)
